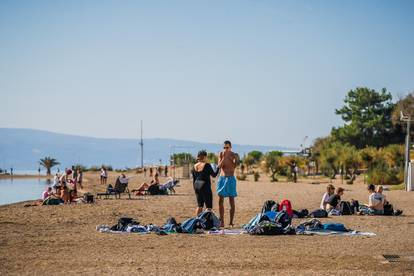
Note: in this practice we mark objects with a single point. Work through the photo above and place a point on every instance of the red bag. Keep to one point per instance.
(286, 206)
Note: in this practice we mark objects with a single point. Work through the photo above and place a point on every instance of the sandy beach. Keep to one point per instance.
(57, 240)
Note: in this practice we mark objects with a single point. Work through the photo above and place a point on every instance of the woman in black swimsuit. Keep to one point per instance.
(202, 183)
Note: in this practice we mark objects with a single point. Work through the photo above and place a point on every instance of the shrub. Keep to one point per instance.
(256, 176)
(241, 177)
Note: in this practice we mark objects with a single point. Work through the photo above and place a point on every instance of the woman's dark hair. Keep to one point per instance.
(201, 154)
(371, 187)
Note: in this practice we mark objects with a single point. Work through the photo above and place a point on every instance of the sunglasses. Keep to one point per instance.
(226, 147)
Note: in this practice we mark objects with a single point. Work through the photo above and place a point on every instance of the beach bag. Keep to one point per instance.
(123, 223)
(286, 206)
(301, 213)
(338, 227)
(88, 198)
(267, 228)
(388, 209)
(110, 189)
(155, 190)
(283, 218)
(209, 220)
(52, 201)
(319, 213)
(345, 208)
(355, 206)
(270, 205)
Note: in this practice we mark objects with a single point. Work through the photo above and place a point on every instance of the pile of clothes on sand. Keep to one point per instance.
(274, 219)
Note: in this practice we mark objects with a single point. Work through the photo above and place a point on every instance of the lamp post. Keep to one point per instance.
(406, 119)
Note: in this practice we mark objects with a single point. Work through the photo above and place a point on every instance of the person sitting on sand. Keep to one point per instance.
(145, 186)
(334, 200)
(64, 194)
(330, 190)
(47, 193)
(375, 204)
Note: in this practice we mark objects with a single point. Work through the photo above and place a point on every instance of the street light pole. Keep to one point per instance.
(407, 119)
(141, 143)
(407, 154)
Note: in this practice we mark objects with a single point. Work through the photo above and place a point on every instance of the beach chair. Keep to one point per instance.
(117, 191)
(169, 186)
(163, 189)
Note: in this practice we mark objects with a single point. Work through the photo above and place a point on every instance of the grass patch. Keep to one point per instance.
(398, 187)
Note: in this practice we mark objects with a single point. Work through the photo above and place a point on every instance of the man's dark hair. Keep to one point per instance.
(371, 187)
(202, 153)
(227, 142)
(340, 190)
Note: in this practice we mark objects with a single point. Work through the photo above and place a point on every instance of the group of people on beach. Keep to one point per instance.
(226, 188)
(65, 186)
(226, 184)
(376, 201)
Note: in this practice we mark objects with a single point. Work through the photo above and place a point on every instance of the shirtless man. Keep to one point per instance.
(226, 185)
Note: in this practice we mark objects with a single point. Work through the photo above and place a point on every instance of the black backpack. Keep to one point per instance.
(89, 198)
(345, 208)
(210, 220)
(155, 190)
(388, 209)
(319, 213)
(270, 205)
(280, 226)
(301, 213)
(123, 224)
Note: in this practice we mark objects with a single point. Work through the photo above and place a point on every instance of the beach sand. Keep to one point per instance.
(55, 240)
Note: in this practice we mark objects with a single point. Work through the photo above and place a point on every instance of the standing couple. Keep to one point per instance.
(226, 185)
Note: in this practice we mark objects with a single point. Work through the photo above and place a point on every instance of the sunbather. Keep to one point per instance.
(64, 194)
(330, 190)
(145, 186)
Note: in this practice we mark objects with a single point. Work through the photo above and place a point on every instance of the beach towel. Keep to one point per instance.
(330, 232)
(227, 232)
(315, 227)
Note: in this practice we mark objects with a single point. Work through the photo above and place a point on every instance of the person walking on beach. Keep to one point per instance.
(104, 175)
(226, 185)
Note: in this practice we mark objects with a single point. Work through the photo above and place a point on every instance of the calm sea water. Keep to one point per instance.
(15, 190)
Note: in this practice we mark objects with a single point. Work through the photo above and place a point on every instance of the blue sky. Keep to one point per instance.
(256, 72)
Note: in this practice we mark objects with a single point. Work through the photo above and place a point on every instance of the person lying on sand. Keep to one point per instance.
(145, 186)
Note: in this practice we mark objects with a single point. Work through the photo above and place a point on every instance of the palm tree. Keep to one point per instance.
(48, 163)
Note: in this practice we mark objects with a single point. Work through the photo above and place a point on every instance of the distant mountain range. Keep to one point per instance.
(22, 149)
